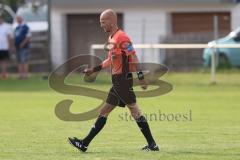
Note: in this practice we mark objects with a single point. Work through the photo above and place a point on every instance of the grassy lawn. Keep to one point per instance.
(29, 129)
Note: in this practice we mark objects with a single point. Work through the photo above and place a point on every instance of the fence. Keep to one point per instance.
(213, 46)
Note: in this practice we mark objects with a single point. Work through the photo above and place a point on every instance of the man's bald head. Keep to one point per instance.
(108, 20)
(19, 19)
(110, 15)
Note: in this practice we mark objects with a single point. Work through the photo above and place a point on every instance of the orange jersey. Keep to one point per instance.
(121, 54)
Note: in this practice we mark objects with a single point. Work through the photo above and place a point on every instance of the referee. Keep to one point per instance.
(122, 60)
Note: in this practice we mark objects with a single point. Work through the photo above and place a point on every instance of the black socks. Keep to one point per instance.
(97, 127)
(144, 127)
(101, 121)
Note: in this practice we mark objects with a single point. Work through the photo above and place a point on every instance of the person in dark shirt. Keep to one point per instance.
(22, 37)
(123, 61)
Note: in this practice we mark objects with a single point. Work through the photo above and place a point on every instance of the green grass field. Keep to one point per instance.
(29, 129)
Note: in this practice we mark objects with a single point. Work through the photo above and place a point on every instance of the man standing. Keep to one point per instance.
(22, 43)
(6, 44)
(122, 59)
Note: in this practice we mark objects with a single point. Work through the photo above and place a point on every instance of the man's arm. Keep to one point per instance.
(10, 40)
(137, 67)
(106, 63)
(134, 65)
(11, 43)
(25, 42)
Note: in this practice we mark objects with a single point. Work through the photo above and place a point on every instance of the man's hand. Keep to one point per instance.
(143, 84)
(21, 45)
(88, 71)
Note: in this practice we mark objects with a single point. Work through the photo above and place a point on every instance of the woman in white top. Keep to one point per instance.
(6, 42)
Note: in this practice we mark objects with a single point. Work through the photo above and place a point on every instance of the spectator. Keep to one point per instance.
(6, 44)
(22, 36)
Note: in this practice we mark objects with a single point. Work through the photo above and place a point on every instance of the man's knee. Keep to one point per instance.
(106, 109)
(133, 107)
(135, 111)
(103, 112)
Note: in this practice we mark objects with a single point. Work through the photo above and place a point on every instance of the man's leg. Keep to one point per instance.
(20, 70)
(99, 124)
(143, 125)
(4, 74)
(97, 127)
(25, 70)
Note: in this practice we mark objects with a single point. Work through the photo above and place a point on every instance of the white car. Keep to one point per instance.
(35, 19)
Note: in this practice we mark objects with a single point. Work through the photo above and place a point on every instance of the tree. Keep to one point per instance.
(14, 4)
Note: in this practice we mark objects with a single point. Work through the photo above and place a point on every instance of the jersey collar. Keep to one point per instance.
(114, 33)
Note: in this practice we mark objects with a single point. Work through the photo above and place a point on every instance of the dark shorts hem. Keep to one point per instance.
(121, 100)
(121, 92)
(23, 55)
(4, 55)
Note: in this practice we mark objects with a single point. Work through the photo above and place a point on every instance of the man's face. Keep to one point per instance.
(105, 24)
(19, 19)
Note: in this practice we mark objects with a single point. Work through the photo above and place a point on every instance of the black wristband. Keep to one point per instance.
(97, 68)
(140, 75)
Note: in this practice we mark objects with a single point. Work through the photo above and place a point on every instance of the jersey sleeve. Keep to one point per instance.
(125, 45)
(127, 48)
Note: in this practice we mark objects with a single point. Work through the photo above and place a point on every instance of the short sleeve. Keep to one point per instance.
(126, 45)
(29, 34)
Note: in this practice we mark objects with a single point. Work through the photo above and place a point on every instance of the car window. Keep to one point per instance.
(31, 15)
(238, 33)
(237, 37)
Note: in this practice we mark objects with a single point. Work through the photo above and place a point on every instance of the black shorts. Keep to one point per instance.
(4, 55)
(121, 92)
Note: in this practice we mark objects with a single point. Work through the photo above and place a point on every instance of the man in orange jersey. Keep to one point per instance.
(123, 61)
